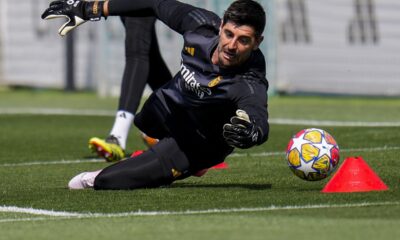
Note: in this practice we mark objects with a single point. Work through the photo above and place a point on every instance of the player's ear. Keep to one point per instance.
(220, 26)
(258, 42)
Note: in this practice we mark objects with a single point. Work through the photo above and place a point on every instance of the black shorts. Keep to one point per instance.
(160, 118)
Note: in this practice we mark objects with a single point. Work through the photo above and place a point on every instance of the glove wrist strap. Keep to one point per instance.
(94, 10)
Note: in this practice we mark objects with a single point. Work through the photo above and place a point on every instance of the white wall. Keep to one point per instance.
(30, 49)
(320, 59)
(329, 61)
(33, 54)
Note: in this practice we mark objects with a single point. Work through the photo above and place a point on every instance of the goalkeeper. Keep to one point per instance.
(216, 102)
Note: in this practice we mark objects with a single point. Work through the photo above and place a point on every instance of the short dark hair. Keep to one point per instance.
(246, 12)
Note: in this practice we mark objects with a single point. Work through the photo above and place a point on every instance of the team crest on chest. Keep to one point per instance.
(214, 82)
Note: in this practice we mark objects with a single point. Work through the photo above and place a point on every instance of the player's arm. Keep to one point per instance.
(179, 16)
(249, 127)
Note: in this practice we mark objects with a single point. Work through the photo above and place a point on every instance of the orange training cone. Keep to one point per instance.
(354, 176)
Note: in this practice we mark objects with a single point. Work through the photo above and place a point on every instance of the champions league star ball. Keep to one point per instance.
(312, 154)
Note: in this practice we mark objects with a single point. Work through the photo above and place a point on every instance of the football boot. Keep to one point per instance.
(109, 149)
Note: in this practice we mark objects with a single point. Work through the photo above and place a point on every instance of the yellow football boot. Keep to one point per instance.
(109, 149)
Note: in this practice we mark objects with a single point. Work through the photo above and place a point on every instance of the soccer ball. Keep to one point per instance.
(312, 154)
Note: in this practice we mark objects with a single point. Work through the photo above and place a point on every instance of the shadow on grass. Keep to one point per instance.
(224, 185)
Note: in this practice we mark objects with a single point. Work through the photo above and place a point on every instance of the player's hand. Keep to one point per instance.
(76, 12)
(241, 132)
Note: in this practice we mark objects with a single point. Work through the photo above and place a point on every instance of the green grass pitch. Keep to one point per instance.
(257, 197)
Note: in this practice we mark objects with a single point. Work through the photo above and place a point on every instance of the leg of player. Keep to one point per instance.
(138, 44)
(159, 166)
(159, 75)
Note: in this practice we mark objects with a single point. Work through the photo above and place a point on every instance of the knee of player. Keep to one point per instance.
(103, 181)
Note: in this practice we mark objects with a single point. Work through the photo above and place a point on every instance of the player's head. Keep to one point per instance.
(240, 33)
(246, 12)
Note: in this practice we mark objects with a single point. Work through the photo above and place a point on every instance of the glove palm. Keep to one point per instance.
(241, 132)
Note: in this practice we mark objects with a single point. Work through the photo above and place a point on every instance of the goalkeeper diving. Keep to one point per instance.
(216, 102)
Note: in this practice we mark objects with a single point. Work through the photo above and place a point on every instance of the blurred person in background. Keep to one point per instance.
(143, 64)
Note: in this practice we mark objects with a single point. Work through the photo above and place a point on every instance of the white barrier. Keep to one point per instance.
(339, 47)
(330, 46)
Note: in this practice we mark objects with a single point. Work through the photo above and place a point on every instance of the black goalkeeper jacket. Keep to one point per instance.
(208, 94)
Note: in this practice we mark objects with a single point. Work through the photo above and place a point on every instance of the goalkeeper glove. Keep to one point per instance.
(76, 11)
(241, 132)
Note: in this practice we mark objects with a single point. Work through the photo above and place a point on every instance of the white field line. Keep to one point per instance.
(60, 162)
(75, 215)
(234, 155)
(266, 154)
(13, 209)
(285, 121)
(280, 121)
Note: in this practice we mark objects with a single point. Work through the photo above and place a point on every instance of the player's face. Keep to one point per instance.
(235, 45)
